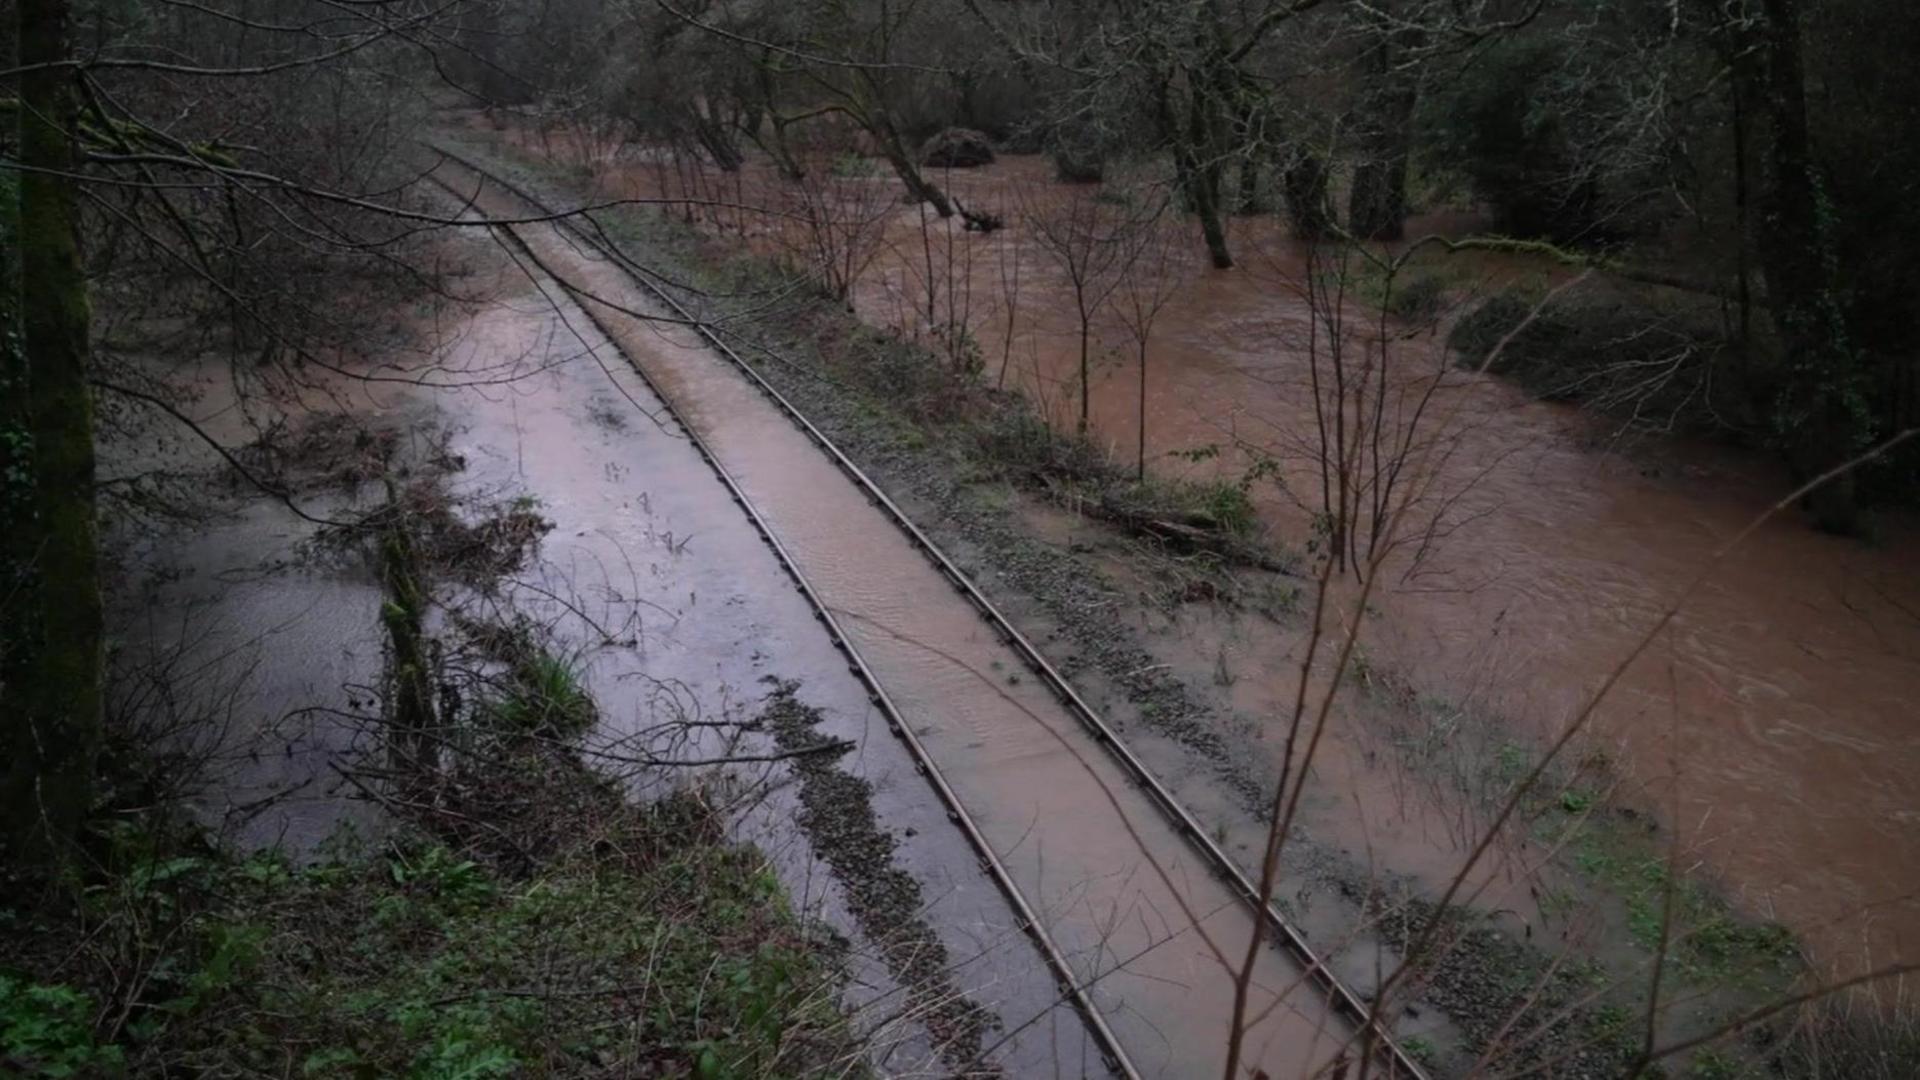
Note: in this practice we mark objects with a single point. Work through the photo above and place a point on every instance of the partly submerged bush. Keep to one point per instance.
(545, 695)
(957, 148)
(1418, 298)
(1649, 368)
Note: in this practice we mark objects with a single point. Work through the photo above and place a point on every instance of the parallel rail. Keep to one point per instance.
(1111, 1049)
(1401, 1065)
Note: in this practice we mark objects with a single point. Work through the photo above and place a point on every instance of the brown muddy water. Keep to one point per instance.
(1143, 921)
(1771, 725)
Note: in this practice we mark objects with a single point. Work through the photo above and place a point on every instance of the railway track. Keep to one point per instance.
(1393, 1059)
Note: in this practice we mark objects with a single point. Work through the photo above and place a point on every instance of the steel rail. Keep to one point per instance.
(1111, 1049)
(1344, 999)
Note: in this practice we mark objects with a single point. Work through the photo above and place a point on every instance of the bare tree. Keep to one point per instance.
(1154, 272)
(1088, 238)
(834, 228)
(845, 56)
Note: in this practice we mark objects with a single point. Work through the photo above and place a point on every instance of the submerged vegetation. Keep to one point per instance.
(519, 912)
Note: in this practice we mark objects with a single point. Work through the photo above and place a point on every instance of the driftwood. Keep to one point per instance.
(980, 221)
(1208, 538)
(1190, 531)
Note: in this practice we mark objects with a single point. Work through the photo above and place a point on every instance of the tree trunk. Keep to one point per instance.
(776, 145)
(918, 186)
(1206, 169)
(1248, 195)
(715, 136)
(412, 738)
(50, 721)
(1205, 196)
(1377, 205)
(1820, 404)
(1306, 190)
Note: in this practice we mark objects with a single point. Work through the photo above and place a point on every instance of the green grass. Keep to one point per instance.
(544, 695)
(419, 962)
(1708, 942)
(1614, 853)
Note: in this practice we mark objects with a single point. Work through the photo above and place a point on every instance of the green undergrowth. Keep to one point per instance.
(1610, 859)
(1707, 941)
(544, 696)
(525, 918)
(417, 961)
(1605, 845)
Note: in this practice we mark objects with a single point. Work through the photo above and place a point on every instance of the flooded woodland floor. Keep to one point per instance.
(680, 618)
(1769, 727)
(1144, 923)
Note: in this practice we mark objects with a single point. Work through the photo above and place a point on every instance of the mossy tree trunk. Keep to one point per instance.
(1377, 202)
(1821, 416)
(1189, 117)
(50, 719)
(1305, 185)
(413, 734)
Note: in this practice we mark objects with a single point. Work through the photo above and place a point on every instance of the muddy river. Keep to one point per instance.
(1771, 725)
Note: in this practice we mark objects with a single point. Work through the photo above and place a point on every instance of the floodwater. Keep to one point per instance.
(690, 615)
(227, 646)
(651, 578)
(1771, 724)
(1146, 925)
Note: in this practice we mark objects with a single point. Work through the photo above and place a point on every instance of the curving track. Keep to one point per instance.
(1336, 998)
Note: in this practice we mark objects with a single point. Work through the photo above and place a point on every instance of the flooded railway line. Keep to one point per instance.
(1104, 862)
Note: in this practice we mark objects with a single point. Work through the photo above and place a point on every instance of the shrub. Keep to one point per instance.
(1645, 366)
(48, 1031)
(545, 696)
(852, 166)
(957, 148)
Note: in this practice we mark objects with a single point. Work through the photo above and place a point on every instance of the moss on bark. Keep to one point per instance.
(50, 721)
